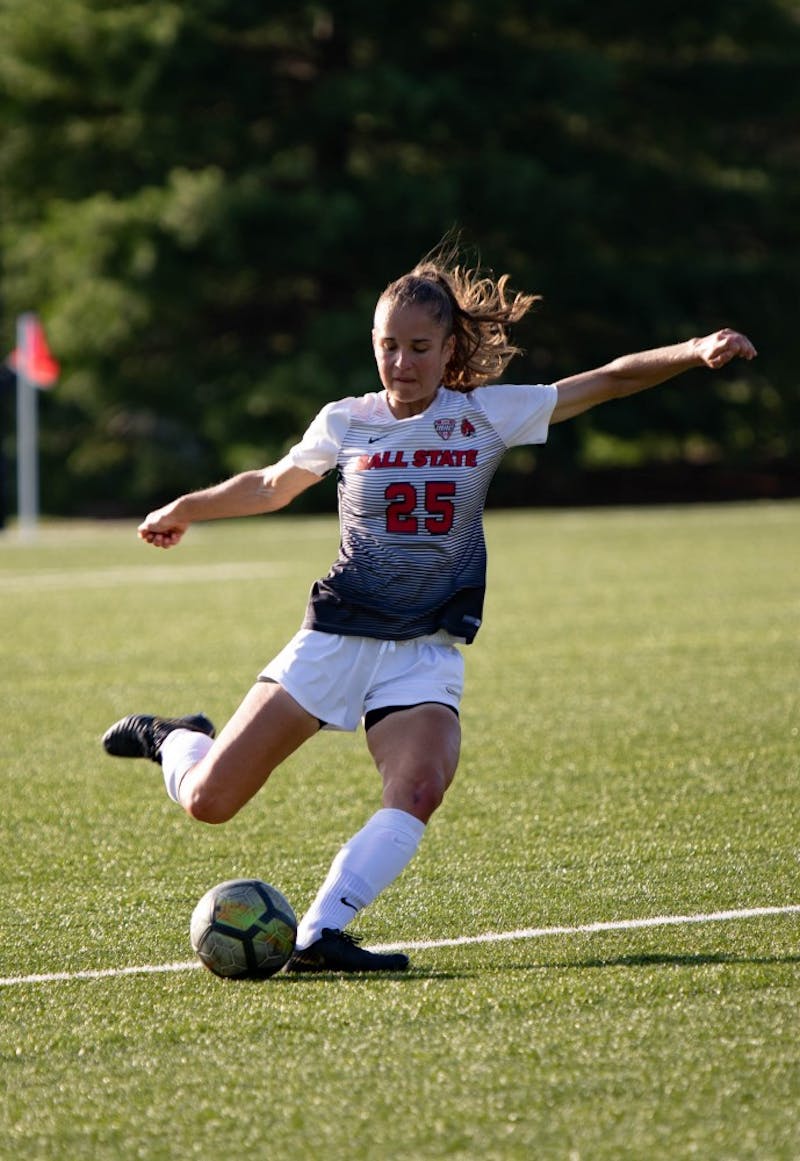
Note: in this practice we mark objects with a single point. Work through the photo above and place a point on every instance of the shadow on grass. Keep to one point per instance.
(411, 976)
(659, 959)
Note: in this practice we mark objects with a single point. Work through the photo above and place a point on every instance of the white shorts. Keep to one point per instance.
(339, 679)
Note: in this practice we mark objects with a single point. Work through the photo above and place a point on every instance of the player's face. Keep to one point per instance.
(412, 351)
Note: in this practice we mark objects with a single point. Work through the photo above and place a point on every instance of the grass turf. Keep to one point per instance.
(630, 750)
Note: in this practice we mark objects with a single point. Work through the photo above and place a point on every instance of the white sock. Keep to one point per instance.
(181, 750)
(367, 864)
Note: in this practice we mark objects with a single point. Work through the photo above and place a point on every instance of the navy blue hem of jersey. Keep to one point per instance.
(460, 616)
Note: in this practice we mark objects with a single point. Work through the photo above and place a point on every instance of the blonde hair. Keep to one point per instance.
(472, 305)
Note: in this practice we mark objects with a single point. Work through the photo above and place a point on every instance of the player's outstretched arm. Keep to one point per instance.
(247, 494)
(632, 373)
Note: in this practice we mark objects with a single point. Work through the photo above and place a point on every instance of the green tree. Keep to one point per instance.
(203, 199)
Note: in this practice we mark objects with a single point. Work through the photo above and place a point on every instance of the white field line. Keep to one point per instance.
(595, 928)
(104, 578)
(428, 944)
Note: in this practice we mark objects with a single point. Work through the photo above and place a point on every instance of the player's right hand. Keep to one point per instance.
(161, 529)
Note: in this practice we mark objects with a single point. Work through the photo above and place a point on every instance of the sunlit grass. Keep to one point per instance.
(630, 750)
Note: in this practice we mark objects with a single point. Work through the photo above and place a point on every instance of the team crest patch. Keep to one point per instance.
(444, 427)
(467, 428)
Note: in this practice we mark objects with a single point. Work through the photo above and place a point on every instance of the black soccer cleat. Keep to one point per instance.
(143, 735)
(336, 951)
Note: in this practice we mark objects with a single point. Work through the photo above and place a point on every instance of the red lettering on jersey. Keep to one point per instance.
(437, 457)
(382, 459)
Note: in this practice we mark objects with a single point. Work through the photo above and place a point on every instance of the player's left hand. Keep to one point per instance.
(718, 349)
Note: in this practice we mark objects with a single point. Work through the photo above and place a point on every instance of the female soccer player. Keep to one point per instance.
(381, 635)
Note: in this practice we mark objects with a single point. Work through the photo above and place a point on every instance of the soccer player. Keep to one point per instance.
(382, 635)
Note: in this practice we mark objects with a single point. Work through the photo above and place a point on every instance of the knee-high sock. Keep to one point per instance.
(181, 750)
(368, 863)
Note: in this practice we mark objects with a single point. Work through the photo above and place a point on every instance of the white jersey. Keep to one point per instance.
(412, 558)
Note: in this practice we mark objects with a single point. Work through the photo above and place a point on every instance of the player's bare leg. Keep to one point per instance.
(212, 780)
(267, 727)
(416, 751)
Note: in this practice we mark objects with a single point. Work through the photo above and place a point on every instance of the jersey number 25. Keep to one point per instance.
(437, 506)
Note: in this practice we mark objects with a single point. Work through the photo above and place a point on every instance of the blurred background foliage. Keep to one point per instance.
(203, 199)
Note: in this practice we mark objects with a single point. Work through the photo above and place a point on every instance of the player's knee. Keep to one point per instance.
(204, 803)
(421, 792)
(426, 799)
(432, 790)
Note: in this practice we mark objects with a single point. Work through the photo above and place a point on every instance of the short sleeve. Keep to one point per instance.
(519, 413)
(319, 448)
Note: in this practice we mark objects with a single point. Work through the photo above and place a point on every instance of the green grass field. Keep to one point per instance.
(630, 752)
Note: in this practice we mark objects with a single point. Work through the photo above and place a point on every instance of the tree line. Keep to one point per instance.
(203, 199)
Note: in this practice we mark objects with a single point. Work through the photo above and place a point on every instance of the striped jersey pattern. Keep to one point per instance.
(412, 555)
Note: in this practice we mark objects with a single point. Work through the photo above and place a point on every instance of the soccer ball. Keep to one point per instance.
(243, 929)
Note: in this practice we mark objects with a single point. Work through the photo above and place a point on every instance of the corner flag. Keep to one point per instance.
(32, 358)
(35, 367)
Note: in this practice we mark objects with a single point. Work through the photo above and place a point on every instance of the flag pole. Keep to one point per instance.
(27, 433)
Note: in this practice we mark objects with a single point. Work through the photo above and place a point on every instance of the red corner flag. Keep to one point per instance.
(32, 356)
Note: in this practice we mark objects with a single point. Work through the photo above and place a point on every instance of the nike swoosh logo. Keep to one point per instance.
(375, 438)
(347, 903)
